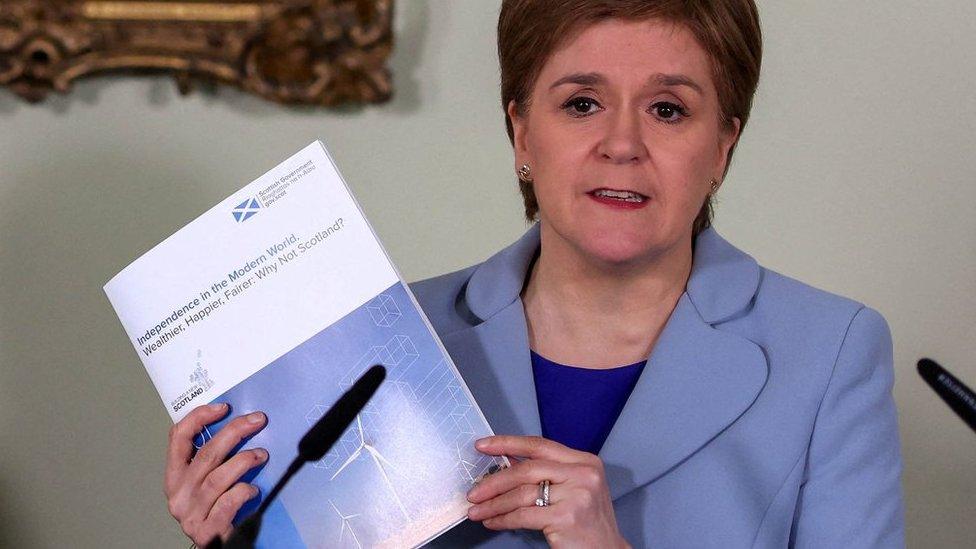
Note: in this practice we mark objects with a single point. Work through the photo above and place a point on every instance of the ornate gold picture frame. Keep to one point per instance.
(320, 52)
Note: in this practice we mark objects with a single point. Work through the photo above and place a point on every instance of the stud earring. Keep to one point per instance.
(525, 173)
(715, 186)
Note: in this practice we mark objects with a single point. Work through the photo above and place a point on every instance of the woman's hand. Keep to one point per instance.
(580, 513)
(202, 490)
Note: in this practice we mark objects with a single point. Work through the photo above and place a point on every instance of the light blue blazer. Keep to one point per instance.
(764, 417)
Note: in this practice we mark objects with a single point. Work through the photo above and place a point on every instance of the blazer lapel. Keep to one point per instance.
(698, 380)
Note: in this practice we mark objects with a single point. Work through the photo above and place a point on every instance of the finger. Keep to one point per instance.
(213, 453)
(522, 496)
(227, 505)
(223, 477)
(529, 447)
(531, 472)
(180, 448)
(530, 518)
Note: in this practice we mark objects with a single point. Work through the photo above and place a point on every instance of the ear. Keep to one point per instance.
(728, 137)
(519, 131)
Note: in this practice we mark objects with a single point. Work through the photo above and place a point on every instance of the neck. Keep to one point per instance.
(589, 313)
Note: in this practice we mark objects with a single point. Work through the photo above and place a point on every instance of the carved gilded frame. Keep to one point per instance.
(321, 52)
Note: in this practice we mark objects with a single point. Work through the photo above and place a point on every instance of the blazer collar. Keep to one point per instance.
(497, 282)
(723, 278)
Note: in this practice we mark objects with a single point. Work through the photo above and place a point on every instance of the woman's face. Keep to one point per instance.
(623, 134)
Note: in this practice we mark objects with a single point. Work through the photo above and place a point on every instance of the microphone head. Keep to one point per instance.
(955, 393)
(330, 427)
(929, 369)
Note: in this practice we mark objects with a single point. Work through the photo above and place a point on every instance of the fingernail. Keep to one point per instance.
(471, 494)
(261, 453)
(481, 443)
(255, 418)
(254, 491)
(473, 512)
(218, 406)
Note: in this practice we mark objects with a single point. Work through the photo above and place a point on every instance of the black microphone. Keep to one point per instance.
(313, 446)
(960, 398)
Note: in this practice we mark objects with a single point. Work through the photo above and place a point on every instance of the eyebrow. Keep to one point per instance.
(594, 79)
(677, 80)
(583, 79)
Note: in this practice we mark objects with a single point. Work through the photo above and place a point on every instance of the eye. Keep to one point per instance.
(668, 112)
(581, 106)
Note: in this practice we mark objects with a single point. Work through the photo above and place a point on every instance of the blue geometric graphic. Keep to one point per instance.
(397, 355)
(245, 210)
(384, 310)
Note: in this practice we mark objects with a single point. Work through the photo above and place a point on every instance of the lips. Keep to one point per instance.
(629, 196)
(619, 198)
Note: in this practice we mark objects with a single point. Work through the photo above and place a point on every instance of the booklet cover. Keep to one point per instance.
(278, 299)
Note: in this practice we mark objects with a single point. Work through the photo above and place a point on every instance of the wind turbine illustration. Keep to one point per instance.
(345, 524)
(378, 459)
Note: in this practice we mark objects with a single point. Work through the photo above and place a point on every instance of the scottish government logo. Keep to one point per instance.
(245, 210)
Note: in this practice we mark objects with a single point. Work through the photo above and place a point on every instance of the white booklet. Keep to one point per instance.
(277, 299)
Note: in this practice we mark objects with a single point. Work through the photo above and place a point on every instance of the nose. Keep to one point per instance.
(622, 142)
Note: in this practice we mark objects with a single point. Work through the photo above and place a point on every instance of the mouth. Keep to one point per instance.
(618, 197)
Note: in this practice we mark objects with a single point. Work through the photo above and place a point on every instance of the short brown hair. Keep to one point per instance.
(529, 31)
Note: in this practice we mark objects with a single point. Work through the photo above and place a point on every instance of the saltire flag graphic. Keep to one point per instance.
(246, 209)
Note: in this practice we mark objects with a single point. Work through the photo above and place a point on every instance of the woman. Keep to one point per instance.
(675, 392)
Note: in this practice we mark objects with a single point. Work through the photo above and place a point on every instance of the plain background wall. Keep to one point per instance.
(857, 174)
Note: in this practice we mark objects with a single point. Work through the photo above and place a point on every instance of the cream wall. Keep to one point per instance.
(857, 175)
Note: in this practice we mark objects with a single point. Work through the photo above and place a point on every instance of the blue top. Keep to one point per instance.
(578, 406)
